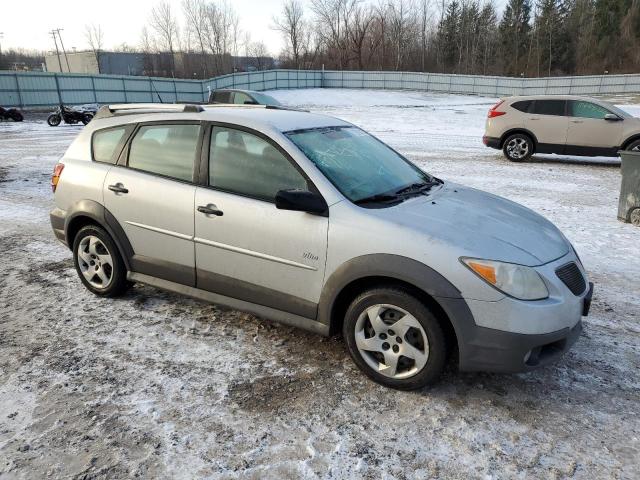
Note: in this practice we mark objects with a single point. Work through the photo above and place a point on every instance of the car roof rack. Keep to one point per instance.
(138, 108)
(254, 105)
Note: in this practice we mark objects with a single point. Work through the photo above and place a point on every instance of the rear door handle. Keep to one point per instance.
(118, 188)
(210, 210)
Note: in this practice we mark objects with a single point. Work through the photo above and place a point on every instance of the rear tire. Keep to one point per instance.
(394, 338)
(99, 263)
(54, 120)
(518, 147)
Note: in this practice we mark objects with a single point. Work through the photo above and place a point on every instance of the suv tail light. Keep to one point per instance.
(57, 171)
(494, 112)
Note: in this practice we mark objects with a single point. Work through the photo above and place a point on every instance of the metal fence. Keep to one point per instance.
(32, 90)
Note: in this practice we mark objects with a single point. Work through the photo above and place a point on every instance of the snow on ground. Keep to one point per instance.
(157, 385)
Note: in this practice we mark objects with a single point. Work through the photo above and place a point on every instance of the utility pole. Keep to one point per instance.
(53, 34)
(58, 30)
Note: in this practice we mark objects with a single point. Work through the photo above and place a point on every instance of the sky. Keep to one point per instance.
(26, 23)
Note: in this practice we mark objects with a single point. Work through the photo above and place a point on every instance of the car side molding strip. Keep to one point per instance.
(259, 310)
(171, 233)
(252, 253)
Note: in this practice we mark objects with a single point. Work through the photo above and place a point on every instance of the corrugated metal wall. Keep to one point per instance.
(27, 89)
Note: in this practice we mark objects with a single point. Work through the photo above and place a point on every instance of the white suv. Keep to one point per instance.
(308, 220)
(569, 125)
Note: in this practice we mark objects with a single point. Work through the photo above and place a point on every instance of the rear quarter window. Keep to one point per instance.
(522, 105)
(106, 142)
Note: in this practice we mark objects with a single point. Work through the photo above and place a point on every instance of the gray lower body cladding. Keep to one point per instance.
(480, 349)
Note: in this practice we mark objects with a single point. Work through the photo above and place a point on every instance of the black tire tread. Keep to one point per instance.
(437, 341)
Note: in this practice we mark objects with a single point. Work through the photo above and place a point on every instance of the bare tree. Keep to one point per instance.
(95, 39)
(292, 26)
(195, 12)
(166, 27)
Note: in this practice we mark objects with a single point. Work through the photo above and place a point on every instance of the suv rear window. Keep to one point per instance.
(105, 142)
(549, 107)
(222, 96)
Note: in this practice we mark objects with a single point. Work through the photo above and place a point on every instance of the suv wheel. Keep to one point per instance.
(394, 338)
(98, 262)
(634, 146)
(518, 147)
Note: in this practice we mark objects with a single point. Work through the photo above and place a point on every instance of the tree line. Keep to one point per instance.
(205, 38)
(530, 38)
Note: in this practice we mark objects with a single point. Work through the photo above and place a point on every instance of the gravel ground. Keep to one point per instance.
(157, 385)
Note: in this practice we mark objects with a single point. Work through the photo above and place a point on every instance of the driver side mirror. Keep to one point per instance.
(301, 201)
(612, 117)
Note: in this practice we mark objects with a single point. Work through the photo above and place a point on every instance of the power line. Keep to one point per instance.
(55, 41)
(66, 59)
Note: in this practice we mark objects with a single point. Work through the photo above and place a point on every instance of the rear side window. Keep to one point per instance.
(241, 98)
(168, 150)
(222, 96)
(523, 105)
(587, 110)
(246, 164)
(549, 107)
(105, 143)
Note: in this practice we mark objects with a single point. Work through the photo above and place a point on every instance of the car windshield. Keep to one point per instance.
(358, 164)
(264, 99)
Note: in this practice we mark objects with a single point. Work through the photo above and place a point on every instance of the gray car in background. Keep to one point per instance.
(308, 220)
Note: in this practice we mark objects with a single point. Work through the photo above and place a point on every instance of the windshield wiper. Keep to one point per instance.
(418, 187)
(380, 198)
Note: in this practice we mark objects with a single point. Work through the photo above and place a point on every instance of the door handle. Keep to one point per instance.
(118, 188)
(534, 118)
(577, 121)
(210, 210)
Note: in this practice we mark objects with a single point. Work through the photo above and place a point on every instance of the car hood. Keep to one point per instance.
(482, 225)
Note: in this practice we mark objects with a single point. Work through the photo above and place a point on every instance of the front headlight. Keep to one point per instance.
(517, 281)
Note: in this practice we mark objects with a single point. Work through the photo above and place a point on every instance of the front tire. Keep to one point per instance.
(394, 338)
(86, 118)
(17, 116)
(518, 147)
(98, 262)
(54, 120)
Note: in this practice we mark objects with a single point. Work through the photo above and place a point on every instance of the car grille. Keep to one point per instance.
(572, 277)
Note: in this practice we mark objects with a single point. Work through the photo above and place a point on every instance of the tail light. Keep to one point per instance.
(494, 112)
(55, 178)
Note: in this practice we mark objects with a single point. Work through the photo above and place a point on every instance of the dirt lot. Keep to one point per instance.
(157, 385)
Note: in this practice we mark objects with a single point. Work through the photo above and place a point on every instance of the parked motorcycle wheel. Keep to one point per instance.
(86, 118)
(54, 120)
(17, 116)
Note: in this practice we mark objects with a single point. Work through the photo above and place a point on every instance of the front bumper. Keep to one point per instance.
(491, 350)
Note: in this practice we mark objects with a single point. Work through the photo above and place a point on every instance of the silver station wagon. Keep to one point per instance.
(310, 221)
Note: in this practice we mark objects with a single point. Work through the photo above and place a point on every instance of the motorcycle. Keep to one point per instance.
(69, 115)
(11, 114)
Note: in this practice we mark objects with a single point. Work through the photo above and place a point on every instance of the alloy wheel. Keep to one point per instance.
(518, 148)
(95, 262)
(391, 341)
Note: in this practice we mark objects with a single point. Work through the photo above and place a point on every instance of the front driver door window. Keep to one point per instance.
(588, 128)
(253, 251)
